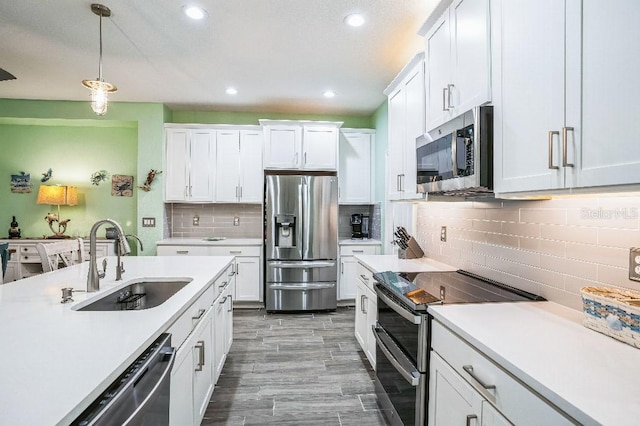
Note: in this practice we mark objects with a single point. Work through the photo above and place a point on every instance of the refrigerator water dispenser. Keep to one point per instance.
(285, 228)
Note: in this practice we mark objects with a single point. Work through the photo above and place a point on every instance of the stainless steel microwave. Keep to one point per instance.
(457, 158)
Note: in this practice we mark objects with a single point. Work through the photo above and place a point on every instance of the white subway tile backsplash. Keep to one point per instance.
(548, 247)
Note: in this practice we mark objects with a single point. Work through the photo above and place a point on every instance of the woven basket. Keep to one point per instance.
(613, 312)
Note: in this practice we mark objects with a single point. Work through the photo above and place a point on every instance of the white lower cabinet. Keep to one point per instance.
(366, 313)
(467, 386)
(347, 279)
(202, 354)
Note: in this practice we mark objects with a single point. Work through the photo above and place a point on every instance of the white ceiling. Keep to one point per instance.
(280, 54)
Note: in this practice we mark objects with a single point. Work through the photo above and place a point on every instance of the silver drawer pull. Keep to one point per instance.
(364, 277)
(235, 251)
(223, 285)
(200, 346)
(200, 314)
(182, 251)
(469, 370)
(471, 417)
(357, 251)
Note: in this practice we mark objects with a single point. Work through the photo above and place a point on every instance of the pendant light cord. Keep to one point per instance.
(100, 62)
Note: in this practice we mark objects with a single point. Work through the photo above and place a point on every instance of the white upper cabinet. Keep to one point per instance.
(300, 145)
(457, 56)
(239, 166)
(189, 156)
(406, 113)
(564, 94)
(356, 181)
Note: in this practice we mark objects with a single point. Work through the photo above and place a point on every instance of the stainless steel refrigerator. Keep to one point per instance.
(301, 220)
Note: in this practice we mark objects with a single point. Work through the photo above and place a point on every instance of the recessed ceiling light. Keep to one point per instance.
(329, 94)
(354, 20)
(195, 12)
(231, 91)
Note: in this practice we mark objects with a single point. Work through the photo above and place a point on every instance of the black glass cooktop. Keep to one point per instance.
(419, 290)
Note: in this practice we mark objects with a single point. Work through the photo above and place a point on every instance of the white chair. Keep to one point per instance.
(65, 253)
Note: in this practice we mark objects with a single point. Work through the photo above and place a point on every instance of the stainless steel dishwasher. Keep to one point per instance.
(140, 396)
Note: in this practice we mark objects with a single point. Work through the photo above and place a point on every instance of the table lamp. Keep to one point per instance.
(57, 195)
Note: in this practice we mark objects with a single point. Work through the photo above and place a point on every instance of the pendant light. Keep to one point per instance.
(100, 89)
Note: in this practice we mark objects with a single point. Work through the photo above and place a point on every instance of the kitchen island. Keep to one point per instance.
(55, 360)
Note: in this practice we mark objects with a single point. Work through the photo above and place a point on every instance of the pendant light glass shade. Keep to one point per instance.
(99, 88)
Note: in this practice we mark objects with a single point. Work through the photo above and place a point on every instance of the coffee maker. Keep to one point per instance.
(356, 226)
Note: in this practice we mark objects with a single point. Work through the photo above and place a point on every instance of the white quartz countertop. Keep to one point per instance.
(390, 262)
(55, 361)
(203, 242)
(592, 377)
(359, 242)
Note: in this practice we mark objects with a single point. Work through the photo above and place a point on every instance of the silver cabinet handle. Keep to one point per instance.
(357, 251)
(565, 130)
(469, 370)
(444, 99)
(362, 296)
(237, 193)
(200, 314)
(398, 183)
(471, 417)
(364, 304)
(305, 159)
(230, 303)
(235, 251)
(182, 251)
(224, 300)
(240, 191)
(223, 285)
(365, 278)
(341, 268)
(551, 133)
(449, 87)
(200, 346)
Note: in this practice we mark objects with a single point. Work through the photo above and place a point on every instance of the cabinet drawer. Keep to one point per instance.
(366, 276)
(517, 402)
(234, 250)
(350, 250)
(182, 251)
(191, 317)
(29, 254)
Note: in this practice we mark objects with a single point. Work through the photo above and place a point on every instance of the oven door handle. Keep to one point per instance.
(412, 377)
(415, 319)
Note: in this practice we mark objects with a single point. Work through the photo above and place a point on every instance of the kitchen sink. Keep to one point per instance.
(136, 295)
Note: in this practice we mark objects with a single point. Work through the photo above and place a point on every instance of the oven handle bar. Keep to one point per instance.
(412, 377)
(415, 319)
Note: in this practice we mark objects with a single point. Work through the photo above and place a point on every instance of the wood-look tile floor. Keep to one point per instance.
(294, 369)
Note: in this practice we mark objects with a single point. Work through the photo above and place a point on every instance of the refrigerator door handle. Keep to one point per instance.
(301, 265)
(301, 286)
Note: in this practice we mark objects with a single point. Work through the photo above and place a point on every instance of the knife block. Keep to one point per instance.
(413, 251)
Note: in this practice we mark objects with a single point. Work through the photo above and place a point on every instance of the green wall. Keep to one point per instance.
(73, 153)
(125, 122)
(212, 117)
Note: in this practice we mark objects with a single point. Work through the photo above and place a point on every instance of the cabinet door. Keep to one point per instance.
(470, 54)
(319, 148)
(201, 158)
(395, 144)
(247, 288)
(177, 164)
(529, 93)
(181, 402)
(282, 147)
(438, 75)
(229, 317)
(219, 334)
(451, 400)
(609, 153)
(251, 171)
(361, 315)
(347, 283)
(372, 317)
(414, 113)
(203, 366)
(227, 166)
(355, 168)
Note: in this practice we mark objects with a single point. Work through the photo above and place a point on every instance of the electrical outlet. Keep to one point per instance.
(196, 220)
(443, 234)
(236, 221)
(634, 263)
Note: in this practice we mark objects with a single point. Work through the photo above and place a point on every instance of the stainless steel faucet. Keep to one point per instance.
(119, 264)
(93, 279)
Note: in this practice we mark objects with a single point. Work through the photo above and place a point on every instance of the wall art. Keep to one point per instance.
(122, 186)
(146, 186)
(46, 176)
(21, 183)
(99, 176)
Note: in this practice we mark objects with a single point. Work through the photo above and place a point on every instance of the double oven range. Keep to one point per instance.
(403, 333)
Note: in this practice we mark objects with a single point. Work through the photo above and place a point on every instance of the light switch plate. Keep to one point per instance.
(443, 234)
(236, 221)
(634, 263)
(148, 222)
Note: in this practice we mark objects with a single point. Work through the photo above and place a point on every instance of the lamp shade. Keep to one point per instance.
(52, 195)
